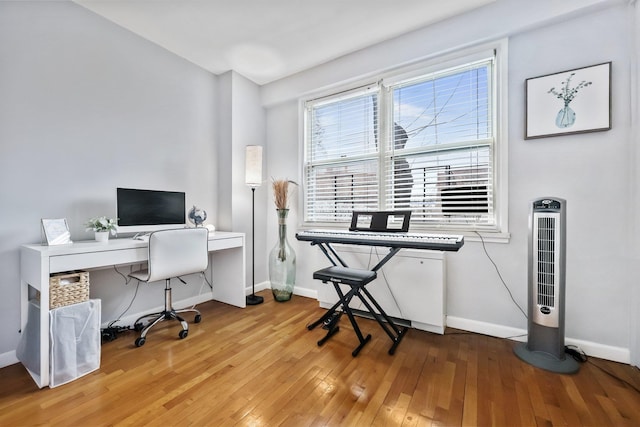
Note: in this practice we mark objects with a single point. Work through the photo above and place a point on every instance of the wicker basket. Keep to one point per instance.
(68, 288)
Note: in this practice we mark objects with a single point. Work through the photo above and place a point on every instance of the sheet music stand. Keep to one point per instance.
(380, 221)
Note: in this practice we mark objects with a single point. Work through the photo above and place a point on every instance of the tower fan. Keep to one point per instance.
(545, 344)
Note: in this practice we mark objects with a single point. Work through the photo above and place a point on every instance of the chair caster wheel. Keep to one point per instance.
(140, 342)
(138, 327)
(183, 334)
(197, 319)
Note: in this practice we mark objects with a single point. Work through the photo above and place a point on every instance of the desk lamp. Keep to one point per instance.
(253, 179)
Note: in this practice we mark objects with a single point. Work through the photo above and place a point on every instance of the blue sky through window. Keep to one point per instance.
(446, 109)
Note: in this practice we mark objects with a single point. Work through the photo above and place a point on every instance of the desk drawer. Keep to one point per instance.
(218, 244)
(85, 260)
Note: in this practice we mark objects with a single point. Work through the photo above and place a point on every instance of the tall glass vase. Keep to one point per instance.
(282, 262)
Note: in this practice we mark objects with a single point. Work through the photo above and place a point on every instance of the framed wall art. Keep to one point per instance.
(569, 102)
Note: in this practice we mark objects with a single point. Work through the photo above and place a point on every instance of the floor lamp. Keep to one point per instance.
(253, 179)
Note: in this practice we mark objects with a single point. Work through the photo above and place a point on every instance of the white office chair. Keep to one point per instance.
(172, 253)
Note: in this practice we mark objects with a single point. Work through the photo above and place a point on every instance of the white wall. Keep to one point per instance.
(283, 163)
(591, 171)
(241, 123)
(87, 106)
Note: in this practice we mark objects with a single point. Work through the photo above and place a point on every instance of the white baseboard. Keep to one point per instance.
(602, 351)
(9, 358)
(297, 290)
(306, 292)
(259, 287)
(484, 328)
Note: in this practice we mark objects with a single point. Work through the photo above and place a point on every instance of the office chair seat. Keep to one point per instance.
(172, 253)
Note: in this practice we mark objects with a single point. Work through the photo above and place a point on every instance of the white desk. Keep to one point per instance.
(37, 262)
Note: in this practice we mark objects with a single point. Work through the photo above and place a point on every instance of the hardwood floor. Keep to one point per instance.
(261, 367)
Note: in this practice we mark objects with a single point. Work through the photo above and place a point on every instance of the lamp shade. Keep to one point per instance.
(253, 173)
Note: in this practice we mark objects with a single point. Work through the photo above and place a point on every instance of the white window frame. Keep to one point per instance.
(496, 233)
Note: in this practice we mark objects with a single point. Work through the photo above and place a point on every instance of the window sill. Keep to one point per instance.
(487, 237)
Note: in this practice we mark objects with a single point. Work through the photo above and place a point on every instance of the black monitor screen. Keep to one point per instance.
(150, 207)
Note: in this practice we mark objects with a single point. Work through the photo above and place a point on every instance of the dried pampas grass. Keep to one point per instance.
(281, 192)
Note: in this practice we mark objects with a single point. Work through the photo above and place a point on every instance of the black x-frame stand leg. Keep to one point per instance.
(330, 318)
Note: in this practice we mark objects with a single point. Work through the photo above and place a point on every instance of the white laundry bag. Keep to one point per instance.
(75, 341)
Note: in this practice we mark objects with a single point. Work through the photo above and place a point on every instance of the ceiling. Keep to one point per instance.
(265, 40)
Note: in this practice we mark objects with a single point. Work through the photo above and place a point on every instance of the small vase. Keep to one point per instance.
(102, 236)
(282, 262)
(566, 117)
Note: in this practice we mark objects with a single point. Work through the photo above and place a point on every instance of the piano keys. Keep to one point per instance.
(438, 242)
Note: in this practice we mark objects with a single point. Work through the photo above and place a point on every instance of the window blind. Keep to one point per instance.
(439, 160)
(426, 143)
(342, 156)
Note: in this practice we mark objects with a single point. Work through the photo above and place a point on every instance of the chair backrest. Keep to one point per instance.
(177, 252)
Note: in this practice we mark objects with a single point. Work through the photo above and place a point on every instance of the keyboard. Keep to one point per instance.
(439, 242)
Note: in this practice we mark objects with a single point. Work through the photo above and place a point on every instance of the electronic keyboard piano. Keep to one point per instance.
(438, 242)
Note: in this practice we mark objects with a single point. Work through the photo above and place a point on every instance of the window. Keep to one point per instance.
(425, 142)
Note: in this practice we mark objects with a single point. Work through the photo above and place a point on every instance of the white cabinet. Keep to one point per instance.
(411, 286)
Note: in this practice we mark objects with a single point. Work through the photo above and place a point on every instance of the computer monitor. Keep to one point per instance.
(140, 211)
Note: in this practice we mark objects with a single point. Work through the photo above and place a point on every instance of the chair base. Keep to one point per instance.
(167, 314)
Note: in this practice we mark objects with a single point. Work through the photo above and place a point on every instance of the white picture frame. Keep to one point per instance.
(56, 231)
